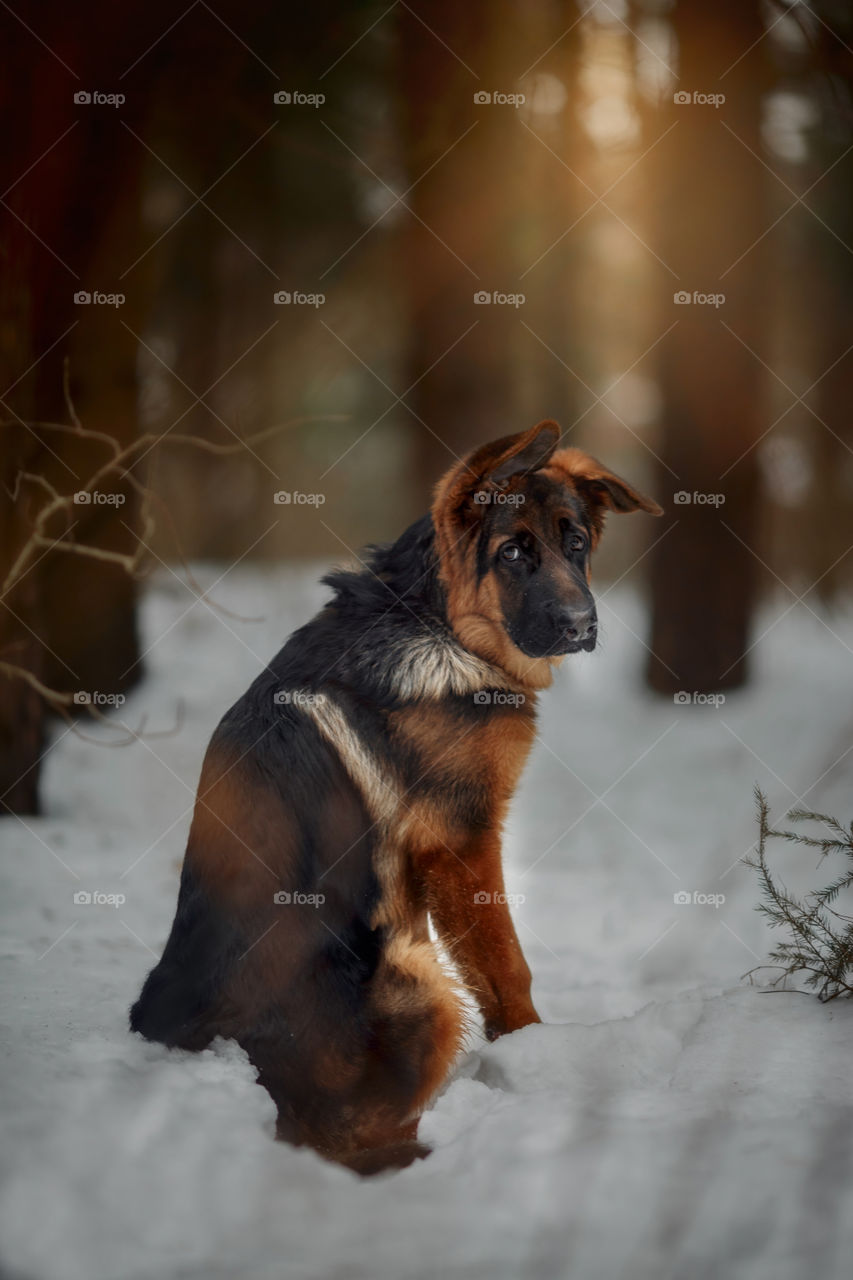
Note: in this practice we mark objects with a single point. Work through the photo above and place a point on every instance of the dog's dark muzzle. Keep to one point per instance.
(580, 631)
(559, 630)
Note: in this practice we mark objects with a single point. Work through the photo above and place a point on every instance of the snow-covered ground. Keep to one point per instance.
(668, 1121)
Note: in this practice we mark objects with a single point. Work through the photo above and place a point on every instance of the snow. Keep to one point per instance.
(668, 1120)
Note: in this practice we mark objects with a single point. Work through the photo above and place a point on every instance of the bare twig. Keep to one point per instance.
(118, 468)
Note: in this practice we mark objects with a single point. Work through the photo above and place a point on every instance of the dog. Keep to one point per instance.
(357, 791)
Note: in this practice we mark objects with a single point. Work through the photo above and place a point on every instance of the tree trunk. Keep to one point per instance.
(552, 199)
(459, 240)
(712, 210)
(831, 498)
(70, 171)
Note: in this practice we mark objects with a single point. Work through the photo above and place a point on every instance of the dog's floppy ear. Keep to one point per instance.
(493, 464)
(519, 454)
(601, 489)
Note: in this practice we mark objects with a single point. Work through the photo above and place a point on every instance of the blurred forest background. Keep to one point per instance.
(190, 168)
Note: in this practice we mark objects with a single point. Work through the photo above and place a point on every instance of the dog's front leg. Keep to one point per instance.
(466, 900)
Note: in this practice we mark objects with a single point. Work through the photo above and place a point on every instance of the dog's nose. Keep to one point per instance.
(579, 626)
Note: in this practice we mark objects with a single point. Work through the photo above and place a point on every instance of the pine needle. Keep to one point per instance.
(819, 945)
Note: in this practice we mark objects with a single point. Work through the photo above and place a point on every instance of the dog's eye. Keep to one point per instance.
(510, 551)
(577, 542)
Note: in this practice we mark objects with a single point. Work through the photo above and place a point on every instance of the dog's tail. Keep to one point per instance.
(417, 1025)
(413, 984)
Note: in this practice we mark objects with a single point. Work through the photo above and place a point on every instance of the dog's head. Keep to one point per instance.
(515, 524)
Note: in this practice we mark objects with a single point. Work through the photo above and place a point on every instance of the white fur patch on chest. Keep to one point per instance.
(431, 666)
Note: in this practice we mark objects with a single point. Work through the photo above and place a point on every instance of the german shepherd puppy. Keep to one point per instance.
(357, 791)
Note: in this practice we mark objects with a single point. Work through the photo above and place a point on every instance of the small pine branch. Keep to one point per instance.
(820, 942)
